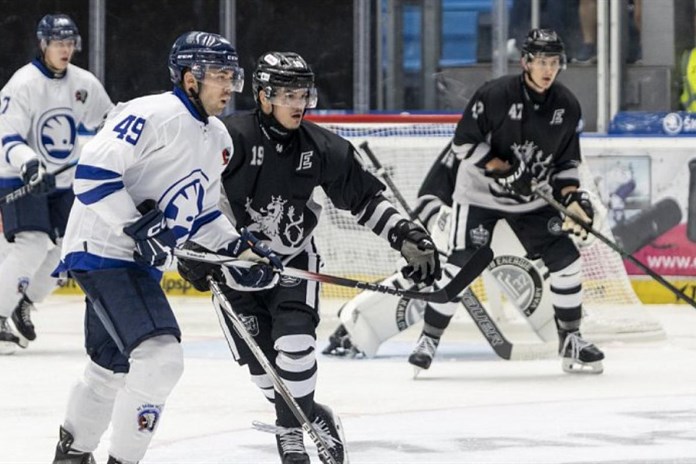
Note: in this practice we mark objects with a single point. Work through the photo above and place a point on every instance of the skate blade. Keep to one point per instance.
(416, 371)
(571, 366)
(23, 341)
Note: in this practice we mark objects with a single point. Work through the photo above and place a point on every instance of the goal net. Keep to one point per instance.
(407, 146)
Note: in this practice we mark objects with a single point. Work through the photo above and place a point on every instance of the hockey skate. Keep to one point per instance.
(9, 341)
(579, 355)
(329, 427)
(340, 344)
(291, 447)
(66, 455)
(423, 354)
(21, 317)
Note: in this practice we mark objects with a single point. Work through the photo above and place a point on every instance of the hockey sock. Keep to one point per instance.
(566, 292)
(19, 266)
(90, 404)
(297, 367)
(43, 284)
(155, 367)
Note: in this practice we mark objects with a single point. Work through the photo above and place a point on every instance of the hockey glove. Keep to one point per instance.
(154, 241)
(579, 204)
(34, 173)
(197, 272)
(260, 276)
(517, 179)
(416, 246)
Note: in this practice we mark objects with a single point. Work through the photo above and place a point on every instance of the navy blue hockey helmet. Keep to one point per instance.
(199, 51)
(286, 70)
(58, 27)
(543, 42)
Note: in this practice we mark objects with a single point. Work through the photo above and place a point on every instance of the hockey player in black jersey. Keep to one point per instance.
(518, 132)
(278, 161)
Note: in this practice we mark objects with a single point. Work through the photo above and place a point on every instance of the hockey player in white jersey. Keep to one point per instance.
(41, 108)
(166, 151)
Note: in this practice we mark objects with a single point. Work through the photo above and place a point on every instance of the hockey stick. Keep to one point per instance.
(559, 207)
(26, 189)
(471, 303)
(278, 384)
(471, 269)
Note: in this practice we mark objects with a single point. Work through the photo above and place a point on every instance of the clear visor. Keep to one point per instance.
(74, 41)
(555, 61)
(303, 98)
(226, 77)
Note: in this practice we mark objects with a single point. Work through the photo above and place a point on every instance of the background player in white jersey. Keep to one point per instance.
(165, 151)
(516, 131)
(279, 161)
(41, 108)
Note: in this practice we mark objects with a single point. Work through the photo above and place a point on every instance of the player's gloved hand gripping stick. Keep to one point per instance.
(37, 185)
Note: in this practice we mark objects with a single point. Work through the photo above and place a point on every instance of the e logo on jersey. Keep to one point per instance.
(56, 134)
(557, 118)
(183, 202)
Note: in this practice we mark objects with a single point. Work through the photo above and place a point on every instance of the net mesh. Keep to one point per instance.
(406, 151)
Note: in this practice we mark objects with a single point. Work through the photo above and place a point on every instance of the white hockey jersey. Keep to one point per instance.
(151, 148)
(40, 115)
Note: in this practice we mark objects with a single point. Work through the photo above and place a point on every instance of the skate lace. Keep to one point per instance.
(577, 344)
(290, 437)
(25, 311)
(426, 345)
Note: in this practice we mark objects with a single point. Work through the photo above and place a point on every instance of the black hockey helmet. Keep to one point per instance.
(544, 42)
(58, 27)
(288, 70)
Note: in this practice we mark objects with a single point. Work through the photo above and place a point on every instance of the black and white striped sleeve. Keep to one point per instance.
(379, 215)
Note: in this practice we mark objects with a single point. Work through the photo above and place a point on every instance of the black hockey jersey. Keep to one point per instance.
(270, 186)
(505, 119)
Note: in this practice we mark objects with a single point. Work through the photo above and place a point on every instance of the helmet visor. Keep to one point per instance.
(293, 97)
(231, 77)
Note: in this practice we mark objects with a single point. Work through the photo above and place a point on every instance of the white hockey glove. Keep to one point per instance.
(579, 204)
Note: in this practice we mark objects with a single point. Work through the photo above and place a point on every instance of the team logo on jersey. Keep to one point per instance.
(305, 161)
(225, 156)
(555, 226)
(148, 416)
(81, 95)
(57, 133)
(477, 109)
(479, 235)
(557, 118)
(183, 202)
(268, 221)
(520, 281)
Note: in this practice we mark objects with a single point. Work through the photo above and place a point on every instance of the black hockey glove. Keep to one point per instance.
(579, 204)
(197, 272)
(517, 179)
(260, 276)
(34, 173)
(154, 241)
(416, 246)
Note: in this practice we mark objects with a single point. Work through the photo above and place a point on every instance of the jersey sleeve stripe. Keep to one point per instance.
(94, 173)
(13, 138)
(104, 190)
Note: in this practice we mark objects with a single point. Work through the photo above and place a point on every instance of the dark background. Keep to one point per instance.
(139, 35)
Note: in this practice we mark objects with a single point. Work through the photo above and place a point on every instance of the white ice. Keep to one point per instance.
(470, 407)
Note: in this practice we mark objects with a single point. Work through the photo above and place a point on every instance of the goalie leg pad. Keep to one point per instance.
(372, 318)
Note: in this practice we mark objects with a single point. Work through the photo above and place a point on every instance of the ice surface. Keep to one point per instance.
(470, 407)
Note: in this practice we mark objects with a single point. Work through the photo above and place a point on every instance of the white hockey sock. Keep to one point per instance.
(43, 284)
(25, 256)
(90, 404)
(155, 367)
(297, 355)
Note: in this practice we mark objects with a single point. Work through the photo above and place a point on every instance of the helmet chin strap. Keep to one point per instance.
(195, 97)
